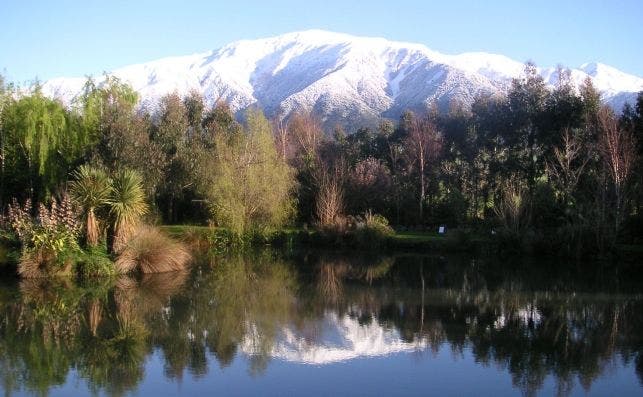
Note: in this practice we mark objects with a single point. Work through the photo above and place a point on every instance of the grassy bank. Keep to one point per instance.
(453, 241)
(297, 237)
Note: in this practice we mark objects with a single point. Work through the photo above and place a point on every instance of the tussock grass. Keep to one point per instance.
(42, 263)
(152, 251)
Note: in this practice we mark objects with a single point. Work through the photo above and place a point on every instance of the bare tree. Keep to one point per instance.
(568, 164)
(282, 137)
(329, 203)
(306, 132)
(618, 150)
(423, 144)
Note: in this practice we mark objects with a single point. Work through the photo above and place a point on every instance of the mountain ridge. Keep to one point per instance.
(344, 78)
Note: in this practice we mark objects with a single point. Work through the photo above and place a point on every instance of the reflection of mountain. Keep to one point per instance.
(339, 338)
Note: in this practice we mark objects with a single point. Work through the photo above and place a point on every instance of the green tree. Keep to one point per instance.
(248, 184)
(4, 101)
(39, 144)
(525, 103)
(127, 205)
(170, 134)
(90, 189)
(121, 132)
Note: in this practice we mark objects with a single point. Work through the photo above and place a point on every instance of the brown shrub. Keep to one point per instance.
(151, 251)
(42, 263)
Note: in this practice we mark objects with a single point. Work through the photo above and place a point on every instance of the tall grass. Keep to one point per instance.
(152, 251)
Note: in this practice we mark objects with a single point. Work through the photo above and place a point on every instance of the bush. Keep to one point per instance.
(223, 240)
(50, 241)
(95, 262)
(151, 251)
(372, 231)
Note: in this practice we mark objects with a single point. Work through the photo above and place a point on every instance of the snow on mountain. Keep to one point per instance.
(342, 77)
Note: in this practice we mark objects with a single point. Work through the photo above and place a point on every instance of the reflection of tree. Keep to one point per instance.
(255, 296)
(244, 300)
(531, 336)
(333, 271)
(96, 327)
(106, 329)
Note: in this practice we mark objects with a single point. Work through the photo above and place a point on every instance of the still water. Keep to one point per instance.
(322, 323)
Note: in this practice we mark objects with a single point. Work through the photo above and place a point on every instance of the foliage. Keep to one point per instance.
(248, 185)
(41, 142)
(577, 163)
(49, 241)
(372, 230)
(90, 189)
(513, 210)
(120, 135)
(95, 262)
(126, 206)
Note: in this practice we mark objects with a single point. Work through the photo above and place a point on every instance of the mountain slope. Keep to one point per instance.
(344, 78)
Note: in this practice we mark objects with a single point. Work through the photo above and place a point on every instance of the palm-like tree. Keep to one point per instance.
(90, 189)
(127, 206)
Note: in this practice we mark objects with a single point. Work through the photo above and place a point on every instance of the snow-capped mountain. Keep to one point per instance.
(343, 78)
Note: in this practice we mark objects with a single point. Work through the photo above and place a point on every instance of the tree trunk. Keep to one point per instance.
(422, 189)
(92, 229)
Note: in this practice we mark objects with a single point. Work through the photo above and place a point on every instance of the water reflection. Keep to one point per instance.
(321, 309)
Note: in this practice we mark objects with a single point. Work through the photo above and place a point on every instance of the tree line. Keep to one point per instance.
(551, 169)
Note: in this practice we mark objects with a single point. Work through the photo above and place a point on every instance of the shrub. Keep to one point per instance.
(329, 202)
(50, 241)
(151, 251)
(513, 209)
(372, 230)
(95, 262)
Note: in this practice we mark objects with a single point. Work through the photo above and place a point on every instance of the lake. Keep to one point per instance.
(329, 323)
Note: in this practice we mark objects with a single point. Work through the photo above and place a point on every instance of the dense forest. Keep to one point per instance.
(545, 169)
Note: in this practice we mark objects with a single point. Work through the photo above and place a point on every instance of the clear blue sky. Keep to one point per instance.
(47, 39)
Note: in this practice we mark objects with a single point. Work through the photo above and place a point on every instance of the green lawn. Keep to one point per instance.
(403, 236)
(418, 236)
(407, 240)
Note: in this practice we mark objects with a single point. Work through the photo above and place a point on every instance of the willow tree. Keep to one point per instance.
(250, 186)
(4, 100)
(39, 144)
